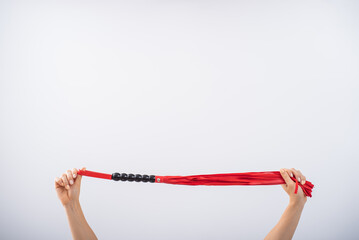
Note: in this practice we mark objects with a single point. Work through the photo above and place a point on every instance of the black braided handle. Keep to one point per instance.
(133, 177)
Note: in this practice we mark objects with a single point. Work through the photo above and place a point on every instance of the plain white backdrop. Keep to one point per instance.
(178, 88)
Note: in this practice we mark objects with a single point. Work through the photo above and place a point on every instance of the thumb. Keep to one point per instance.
(79, 177)
(285, 176)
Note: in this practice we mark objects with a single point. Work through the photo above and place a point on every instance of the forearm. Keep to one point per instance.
(285, 228)
(80, 229)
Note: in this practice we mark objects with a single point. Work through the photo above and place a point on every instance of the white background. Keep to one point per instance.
(178, 88)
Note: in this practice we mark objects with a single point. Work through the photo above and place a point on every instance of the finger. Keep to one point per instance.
(296, 174)
(291, 172)
(74, 173)
(62, 182)
(285, 176)
(66, 182)
(69, 177)
(57, 182)
(79, 177)
(304, 179)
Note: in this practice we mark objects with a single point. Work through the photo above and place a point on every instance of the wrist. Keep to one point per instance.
(72, 205)
(297, 203)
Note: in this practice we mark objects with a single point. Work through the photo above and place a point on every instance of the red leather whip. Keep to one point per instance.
(248, 178)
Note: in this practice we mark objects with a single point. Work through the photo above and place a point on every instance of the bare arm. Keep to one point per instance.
(68, 191)
(285, 228)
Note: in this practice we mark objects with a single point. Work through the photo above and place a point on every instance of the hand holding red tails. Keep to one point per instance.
(291, 185)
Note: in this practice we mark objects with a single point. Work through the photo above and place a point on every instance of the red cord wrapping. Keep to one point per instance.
(94, 174)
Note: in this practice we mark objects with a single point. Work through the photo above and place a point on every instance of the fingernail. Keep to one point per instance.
(281, 170)
(74, 175)
(299, 179)
(291, 174)
(303, 182)
(71, 182)
(67, 187)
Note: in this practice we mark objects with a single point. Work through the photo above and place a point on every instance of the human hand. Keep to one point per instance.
(289, 187)
(68, 187)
